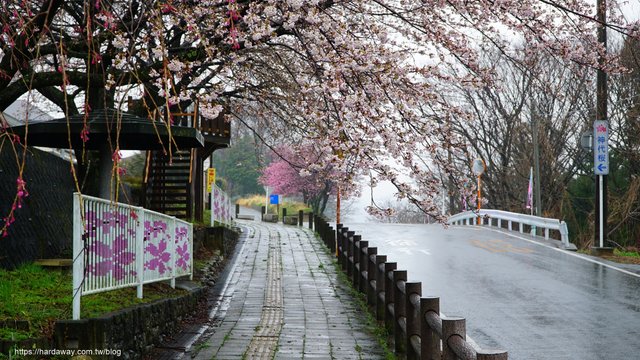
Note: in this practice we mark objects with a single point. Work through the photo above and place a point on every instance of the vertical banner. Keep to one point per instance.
(211, 178)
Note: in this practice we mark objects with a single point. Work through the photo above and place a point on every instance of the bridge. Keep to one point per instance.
(529, 295)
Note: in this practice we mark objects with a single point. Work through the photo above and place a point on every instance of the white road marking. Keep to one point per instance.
(577, 255)
(426, 252)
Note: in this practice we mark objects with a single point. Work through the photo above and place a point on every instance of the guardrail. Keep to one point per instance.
(117, 245)
(419, 332)
(486, 217)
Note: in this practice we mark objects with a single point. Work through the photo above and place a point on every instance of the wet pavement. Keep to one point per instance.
(517, 293)
(283, 300)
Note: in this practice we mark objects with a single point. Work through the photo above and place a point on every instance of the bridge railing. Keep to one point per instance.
(419, 332)
(499, 218)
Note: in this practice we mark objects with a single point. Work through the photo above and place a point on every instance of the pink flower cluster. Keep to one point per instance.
(21, 193)
(233, 17)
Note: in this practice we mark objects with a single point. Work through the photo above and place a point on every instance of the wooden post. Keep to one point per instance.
(371, 275)
(412, 313)
(451, 327)
(430, 340)
(350, 242)
(380, 283)
(388, 292)
(359, 264)
(399, 310)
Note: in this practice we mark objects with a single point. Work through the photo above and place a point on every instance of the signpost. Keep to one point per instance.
(274, 199)
(211, 178)
(600, 168)
(478, 167)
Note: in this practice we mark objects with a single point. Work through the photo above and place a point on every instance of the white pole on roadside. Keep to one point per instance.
(601, 212)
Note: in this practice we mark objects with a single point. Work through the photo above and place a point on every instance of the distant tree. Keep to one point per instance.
(403, 212)
(287, 175)
(239, 165)
(554, 97)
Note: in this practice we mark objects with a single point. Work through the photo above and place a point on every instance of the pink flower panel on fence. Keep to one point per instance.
(182, 249)
(157, 254)
(109, 251)
(217, 204)
(160, 257)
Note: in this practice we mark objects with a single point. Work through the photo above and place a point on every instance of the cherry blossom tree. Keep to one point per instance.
(287, 175)
(366, 81)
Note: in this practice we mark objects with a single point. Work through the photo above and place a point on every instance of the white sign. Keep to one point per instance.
(478, 167)
(601, 147)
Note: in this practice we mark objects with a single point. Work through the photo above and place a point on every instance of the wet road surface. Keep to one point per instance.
(532, 300)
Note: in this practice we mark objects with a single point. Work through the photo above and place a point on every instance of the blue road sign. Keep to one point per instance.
(601, 147)
(274, 199)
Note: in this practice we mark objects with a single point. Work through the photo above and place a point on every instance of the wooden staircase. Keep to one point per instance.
(169, 182)
(174, 185)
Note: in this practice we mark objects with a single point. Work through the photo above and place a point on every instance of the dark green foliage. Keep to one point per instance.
(239, 166)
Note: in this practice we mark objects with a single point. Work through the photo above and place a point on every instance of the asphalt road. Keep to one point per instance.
(532, 300)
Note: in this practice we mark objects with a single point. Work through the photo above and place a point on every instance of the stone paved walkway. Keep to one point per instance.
(285, 302)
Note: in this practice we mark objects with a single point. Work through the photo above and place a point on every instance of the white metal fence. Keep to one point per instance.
(220, 206)
(488, 216)
(117, 245)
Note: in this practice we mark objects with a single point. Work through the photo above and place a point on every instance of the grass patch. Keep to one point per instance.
(257, 201)
(380, 332)
(378, 329)
(621, 256)
(14, 335)
(42, 296)
(633, 254)
(36, 295)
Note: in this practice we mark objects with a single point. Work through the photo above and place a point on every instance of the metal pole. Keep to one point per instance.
(479, 197)
(601, 215)
(601, 114)
(536, 165)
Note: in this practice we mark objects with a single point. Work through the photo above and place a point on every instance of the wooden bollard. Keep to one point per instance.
(388, 292)
(454, 330)
(371, 275)
(412, 314)
(430, 340)
(380, 283)
(399, 310)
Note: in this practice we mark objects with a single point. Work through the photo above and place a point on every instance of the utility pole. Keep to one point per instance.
(601, 114)
(536, 159)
